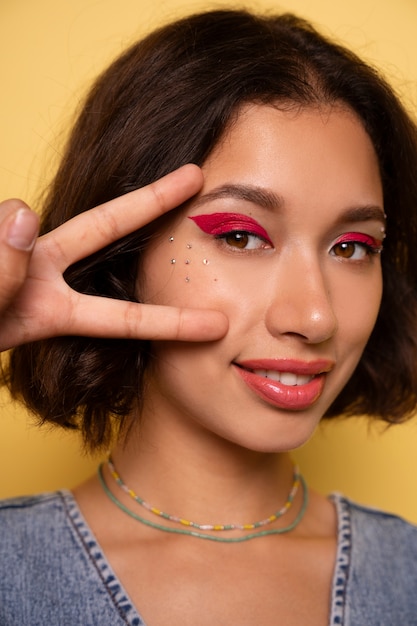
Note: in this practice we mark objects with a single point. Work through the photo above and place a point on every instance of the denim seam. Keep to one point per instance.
(343, 562)
(80, 528)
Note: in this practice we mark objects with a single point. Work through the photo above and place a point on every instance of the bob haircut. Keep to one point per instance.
(166, 102)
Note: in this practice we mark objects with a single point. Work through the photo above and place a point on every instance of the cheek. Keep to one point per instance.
(358, 308)
(186, 274)
(183, 281)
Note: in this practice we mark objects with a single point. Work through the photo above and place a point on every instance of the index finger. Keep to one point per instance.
(105, 317)
(108, 222)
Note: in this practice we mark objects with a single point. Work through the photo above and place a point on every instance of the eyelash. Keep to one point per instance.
(246, 238)
(246, 231)
(368, 244)
(225, 226)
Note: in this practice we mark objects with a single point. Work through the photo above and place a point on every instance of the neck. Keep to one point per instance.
(202, 477)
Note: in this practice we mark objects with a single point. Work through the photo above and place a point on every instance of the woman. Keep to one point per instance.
(307, 161)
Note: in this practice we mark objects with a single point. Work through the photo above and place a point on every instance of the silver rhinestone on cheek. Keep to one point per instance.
(206, 261)
(187, 261)
(173, 261)
(171, 239)
(189, 246)
(187, 279)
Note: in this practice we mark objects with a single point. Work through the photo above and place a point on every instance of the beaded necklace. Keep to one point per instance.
(193, 533)
(217, 527)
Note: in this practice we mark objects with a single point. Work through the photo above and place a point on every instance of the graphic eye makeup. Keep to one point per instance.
(237, 230)
(356, 246)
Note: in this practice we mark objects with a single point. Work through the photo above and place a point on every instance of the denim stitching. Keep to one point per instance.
(119, 598)
(343, 559)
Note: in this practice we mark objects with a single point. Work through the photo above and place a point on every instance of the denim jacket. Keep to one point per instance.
(53, 572)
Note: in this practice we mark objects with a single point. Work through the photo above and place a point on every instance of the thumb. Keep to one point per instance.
(18, 231)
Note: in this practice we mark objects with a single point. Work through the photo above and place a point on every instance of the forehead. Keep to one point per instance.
(301, 153)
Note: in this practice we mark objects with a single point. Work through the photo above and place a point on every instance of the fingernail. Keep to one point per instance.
(23, 230)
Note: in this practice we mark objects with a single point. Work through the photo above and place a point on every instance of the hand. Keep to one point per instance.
(35, 300)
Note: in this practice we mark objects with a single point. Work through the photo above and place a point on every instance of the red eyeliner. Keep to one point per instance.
(367, 240)
(223, 223)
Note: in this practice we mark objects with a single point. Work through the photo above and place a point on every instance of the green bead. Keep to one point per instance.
(192, 533)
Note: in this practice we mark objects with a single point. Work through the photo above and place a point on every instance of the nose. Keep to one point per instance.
(301, 302)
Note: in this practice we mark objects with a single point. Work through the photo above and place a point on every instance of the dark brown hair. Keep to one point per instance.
(165, 102)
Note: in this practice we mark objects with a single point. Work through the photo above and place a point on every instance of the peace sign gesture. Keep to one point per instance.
(35, 300)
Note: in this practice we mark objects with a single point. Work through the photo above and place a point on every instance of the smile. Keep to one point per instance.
(286, 378)
(286, 384)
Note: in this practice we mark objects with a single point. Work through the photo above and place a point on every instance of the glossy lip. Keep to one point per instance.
(222, 223)
(293, 398)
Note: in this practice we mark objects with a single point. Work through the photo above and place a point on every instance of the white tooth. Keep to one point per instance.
(288, 378)
(303, 380)
(272, 375)
(265, 373)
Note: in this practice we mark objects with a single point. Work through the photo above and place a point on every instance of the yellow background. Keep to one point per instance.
(49, 52)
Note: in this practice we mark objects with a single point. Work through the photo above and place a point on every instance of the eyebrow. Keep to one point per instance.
(366, 213)
(267, 199)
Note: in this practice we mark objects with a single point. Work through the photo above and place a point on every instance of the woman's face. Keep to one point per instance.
(284, 239)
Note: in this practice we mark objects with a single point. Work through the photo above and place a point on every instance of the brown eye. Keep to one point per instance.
(243, 240)
(237, 239)
(346, 250)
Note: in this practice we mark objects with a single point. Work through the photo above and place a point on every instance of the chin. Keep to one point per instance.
(277, 440)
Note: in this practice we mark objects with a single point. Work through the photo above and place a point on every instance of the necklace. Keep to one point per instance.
(194, 533)
(216, 527)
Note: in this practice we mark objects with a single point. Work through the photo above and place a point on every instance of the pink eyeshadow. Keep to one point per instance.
(222, 223)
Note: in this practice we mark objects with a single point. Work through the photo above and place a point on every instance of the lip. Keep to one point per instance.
(294, 398)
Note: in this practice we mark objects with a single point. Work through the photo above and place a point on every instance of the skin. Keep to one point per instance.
(293, 301)
(35, 300)
(207, 446)
(18, 232)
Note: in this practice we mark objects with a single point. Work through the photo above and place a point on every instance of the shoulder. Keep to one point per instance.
(36, 530)
(37, 503)
(35, 536)
(52, 570)
(377, 535)
(376, 569)
(33, 516)
(374, 525)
